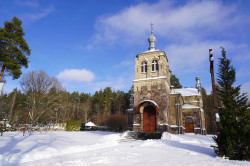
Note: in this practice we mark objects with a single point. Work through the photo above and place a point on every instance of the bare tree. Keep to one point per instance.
(42, 95)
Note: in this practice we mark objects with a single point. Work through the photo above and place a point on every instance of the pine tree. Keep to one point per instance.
(174, 81)
(13, 48)
(234, 116)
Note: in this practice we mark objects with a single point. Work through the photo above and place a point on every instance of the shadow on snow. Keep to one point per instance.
(13, 155)
(194, 148)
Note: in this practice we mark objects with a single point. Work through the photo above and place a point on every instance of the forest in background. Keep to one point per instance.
(43, 101)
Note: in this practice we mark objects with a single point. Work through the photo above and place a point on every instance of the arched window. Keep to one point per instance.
(144, 67)
(155, 66)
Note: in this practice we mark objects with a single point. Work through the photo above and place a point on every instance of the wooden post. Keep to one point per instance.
(216, 112)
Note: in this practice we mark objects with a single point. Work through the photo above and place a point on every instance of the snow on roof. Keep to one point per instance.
(217, 117)
(150, 101)
(153, 78)
(150, 51)
(187, 91)
(136, 124)
(90, 124)
(174, 126)
(163, 124)
(188, 106)
(130, 109)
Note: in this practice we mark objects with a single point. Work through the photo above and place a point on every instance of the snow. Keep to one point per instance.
(217, 117)
(163, 124)
(130, 109)
(90, 124)
(188, 106)
(1, 86)
(150, 101)
(155, 50)
(187, 91)
(92, 148)
(150, 51)
(136, 124)
(152, 78)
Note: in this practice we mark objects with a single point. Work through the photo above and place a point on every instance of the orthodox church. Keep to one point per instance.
(156, 106)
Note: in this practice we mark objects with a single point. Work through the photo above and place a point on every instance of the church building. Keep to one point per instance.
(156, 106)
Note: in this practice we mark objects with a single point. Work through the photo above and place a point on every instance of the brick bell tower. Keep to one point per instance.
(151, 90)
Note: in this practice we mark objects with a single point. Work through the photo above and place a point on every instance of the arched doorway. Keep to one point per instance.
(189, 125)
(149, 119)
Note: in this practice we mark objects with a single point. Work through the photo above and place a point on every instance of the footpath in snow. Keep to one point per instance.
(107, 148)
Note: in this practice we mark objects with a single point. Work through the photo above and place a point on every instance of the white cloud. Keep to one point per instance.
(78, 75)
(125, 63)
(123, 83)
(192, 28)
(38, 15)
(194, 20)
(120, 83)
(191, 57)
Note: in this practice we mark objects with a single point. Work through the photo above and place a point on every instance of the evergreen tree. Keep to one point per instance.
(131, 90)
(234, 117)
(174, 81)
(13, 48)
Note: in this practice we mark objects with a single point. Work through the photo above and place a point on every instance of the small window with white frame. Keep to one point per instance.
(155, 66)
(144, 67)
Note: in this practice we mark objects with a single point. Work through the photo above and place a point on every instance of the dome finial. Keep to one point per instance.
(152, 39)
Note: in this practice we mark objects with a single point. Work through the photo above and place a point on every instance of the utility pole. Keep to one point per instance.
(216, 112)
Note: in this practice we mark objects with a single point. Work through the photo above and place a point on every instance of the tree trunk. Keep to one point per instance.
(13, 103)
(1, 74)
(1, 129)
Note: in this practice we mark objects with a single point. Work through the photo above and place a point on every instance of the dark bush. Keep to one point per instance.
(73, 125)
(116, 122)
(82, 128)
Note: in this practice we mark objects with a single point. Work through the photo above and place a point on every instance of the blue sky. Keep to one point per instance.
(92, 44)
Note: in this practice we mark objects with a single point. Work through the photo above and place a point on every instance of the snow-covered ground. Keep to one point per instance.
(106, 148)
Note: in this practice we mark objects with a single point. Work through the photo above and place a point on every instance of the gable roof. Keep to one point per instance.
(187, 91)
(90, 124)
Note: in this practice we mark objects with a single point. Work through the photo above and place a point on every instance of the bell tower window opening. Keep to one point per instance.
(144, 67)
(155, 66)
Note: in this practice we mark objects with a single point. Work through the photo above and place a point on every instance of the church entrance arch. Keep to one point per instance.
(189, 125)
(149, 119)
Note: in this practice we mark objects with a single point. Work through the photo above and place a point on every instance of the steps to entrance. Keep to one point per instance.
(144, 135)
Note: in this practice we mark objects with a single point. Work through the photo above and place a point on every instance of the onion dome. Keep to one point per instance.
(152, 41)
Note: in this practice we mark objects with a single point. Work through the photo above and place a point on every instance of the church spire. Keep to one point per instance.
(152, 39)
(198, 83)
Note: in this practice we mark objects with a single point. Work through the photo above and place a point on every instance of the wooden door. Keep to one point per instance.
(149, 119)
(189, 125)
